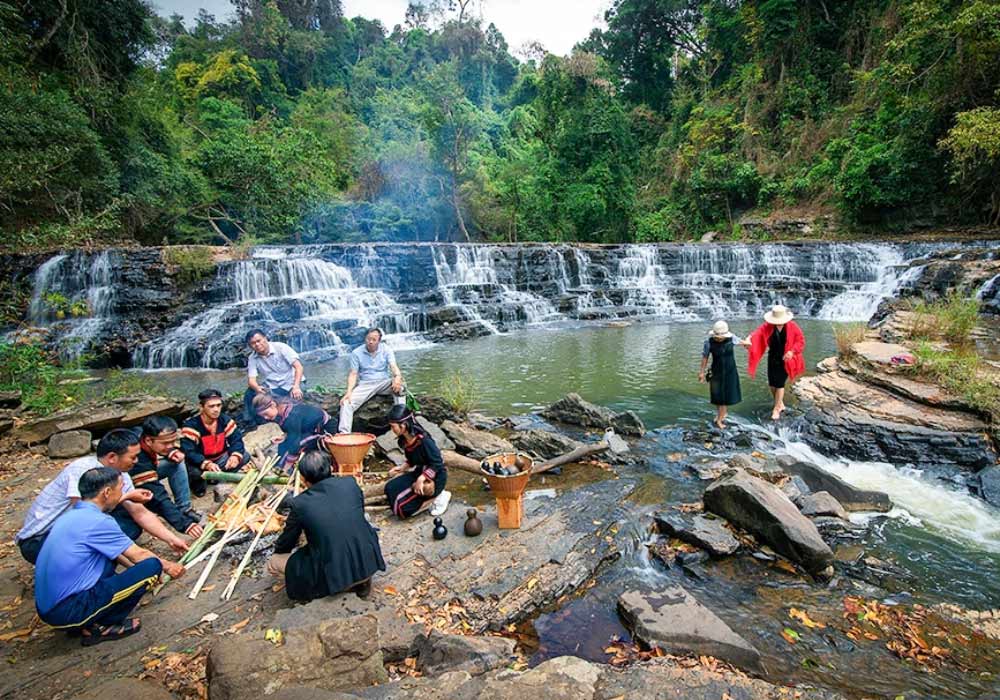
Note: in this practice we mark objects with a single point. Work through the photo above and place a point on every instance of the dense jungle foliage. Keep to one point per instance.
(294, 123)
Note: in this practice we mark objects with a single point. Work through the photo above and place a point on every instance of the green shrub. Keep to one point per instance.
(27, 368)
(190, 264)
(963, 373)
(458, 391)
(951, 318)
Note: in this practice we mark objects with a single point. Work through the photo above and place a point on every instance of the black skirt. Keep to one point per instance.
(724, 384)
(776, 373)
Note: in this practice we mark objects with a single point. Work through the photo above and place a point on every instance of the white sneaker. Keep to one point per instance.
(440, 504)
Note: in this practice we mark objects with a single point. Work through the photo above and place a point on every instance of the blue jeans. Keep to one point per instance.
(177, 476)
(109, 601)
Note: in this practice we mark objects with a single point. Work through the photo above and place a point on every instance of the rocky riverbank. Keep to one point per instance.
(454, 618)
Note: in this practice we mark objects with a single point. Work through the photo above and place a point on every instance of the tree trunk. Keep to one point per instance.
(458, 207)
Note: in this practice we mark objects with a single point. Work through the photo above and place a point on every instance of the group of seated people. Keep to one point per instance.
(85, 522)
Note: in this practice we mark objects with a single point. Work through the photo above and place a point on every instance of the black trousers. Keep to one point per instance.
(32, 546)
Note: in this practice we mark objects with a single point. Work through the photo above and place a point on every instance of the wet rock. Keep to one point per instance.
(673, 620)
(705, 532)
(989, 485)
(761, 508)
(839, 529)
(849, 417)
(334, 654)
(543, 444)
(821, 503)
(757, 466)
(72, 443)
(690, 559)
(475, 443)
(851, 498)
(708, 471)
(102, 416)
(573, 410)
(437, 653)
(304, 693)
(795, 488)
(127, 689)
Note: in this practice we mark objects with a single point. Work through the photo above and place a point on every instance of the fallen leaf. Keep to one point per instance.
(274, 636)
(804, 618)
(390, 590)
(209, 617)
(238, 626)
(531, 583)
(790, 635)
(208, 588)
(14, 635)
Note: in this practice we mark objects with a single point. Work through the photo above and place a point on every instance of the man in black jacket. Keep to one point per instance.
(211, 441)
(342, 551)
(159, 435)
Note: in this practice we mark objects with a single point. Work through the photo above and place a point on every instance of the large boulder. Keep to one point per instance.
(432, 429)
(543, 444)
(102, 416)
(702, 531)
(851, 498)
(573, 410)
(262, 437)
(438, 653)
(475, 443)
(332, 654)
(562, 678)
(761, 508)
(674, 621)
(72, 443)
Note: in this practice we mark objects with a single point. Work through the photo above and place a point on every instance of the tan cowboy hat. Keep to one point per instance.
(720, 329)
(778, 315)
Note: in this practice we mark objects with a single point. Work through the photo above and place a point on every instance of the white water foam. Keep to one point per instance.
(949, 510)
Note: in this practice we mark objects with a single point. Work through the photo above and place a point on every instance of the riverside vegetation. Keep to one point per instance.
(292, 122)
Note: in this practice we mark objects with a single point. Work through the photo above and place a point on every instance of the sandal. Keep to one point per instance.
(99, 633)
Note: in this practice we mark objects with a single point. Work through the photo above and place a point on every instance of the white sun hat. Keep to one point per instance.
(720, 329)
(778, 315)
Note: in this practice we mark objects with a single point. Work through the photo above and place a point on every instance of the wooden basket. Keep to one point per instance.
(509, 490)
(349, 451)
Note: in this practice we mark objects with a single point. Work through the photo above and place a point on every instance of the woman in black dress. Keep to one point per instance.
(341, 551)
(303, 423)
(723, 378)
(422, 479)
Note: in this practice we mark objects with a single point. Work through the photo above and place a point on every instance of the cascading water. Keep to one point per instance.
(318, 298)
(308, 302)
(75, 293)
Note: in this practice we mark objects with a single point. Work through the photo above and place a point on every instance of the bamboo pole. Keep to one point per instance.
(236, 477)
(228, 593)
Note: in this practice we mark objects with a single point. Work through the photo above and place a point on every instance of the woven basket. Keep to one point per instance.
(509, 490)
(349, 448)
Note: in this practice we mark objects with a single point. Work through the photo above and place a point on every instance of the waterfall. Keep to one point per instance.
(309, 302)
(319, 298)
(67, 282)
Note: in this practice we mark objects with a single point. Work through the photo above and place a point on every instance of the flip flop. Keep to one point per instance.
(97, 634)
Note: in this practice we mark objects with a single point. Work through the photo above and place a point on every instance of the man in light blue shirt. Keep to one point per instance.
(374, 372)
(273, 368)
(76, 587)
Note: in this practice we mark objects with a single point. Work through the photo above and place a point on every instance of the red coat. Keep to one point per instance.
(795, 342)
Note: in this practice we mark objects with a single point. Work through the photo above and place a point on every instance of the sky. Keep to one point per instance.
(556, 24)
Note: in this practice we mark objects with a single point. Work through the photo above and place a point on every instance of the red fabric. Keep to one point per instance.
(795, 342)
(213, 445)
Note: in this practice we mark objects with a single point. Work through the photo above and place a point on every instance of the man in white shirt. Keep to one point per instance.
(373, 372)
(273, 368)
(118, 450)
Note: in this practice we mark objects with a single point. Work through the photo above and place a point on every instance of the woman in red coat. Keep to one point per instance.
(783, 340)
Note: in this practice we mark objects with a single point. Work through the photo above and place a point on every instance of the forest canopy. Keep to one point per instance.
(293, 123)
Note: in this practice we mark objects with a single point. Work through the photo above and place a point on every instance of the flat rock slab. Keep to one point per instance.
(673, 620)
(332, 654)
(439, 653)
(878, 353)
(700, 530)
(761, 508)
(119, 413)
(574, 410)
(848, 417)
(851, 498)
